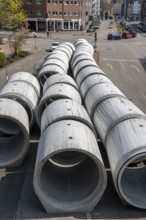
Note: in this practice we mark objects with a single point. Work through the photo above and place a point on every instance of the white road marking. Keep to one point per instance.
(119, 60)
(88, 216)
(110, 66)
(135, 67)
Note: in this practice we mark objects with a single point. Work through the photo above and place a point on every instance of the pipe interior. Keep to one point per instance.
(27, 109)
(133, 182)
(68, 158)
(11, 141)
(69, 184)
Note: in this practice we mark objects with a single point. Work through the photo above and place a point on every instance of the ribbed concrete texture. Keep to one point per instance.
(23, 93)
(53, 93)
(14, 133)
(26, 77)
(126, 148)
(69, 173)
(59, 78)
(64, 109)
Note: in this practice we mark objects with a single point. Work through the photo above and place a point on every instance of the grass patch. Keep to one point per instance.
(119, 29)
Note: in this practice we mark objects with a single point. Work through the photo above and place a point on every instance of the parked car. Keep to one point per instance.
(110, 26)
(89, 30)
(54, 45)
(127, 35)
(95, 27)
(143, 29)
(114, 36)
(134, 33)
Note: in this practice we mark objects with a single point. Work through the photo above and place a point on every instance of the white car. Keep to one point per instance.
(110, 26)
(54, 45)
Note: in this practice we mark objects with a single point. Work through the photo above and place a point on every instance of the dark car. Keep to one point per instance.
(114, 37)
(134, 33)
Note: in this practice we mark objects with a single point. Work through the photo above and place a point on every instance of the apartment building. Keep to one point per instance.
(55, 15)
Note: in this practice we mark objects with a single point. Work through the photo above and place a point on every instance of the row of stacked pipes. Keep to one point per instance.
(74, 104)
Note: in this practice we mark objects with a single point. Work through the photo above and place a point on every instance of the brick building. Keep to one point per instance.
(55, 15)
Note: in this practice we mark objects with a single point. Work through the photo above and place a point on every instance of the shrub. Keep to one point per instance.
(3, 59)
(1, 40)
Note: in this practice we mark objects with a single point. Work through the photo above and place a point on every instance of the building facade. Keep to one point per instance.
(55, 15)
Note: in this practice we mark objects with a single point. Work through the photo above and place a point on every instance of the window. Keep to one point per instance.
(71, 2)
(66, 2)
(60, 13)
(60, 2)
(66, 13)
(38, 13)
(29, 13)
(29, 1)
(54, 12)
(38, 1)
(76, 2)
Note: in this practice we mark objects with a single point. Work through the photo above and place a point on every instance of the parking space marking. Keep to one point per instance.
(110, 66)
(135, 67)
(88, 216)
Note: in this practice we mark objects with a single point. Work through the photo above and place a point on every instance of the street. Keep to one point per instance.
(124, 62)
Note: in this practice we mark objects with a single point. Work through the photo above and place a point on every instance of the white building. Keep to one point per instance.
(117, 9)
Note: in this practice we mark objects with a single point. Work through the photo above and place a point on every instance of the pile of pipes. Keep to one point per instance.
(118, 122)
(69, 172)
(18, 101)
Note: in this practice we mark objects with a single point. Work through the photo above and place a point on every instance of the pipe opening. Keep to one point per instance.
(133, 182)
(69, 184)
(11, 141)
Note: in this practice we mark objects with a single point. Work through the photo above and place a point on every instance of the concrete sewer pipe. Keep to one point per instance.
(82, 65)
(69, 172)
(14, 133)
(59, 78)
(92, 72)
(58, 57)
(78, 53)
(65, 109)
(53, 93)
(80, 58)
(26, 77)
(60, 54)
(122, 128)
(99, 92)
(23, 93)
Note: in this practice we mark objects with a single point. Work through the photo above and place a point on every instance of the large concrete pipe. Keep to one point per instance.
(81, 58)
(113, 111)
(66, 49)
(79, 42)
(23, 93)
(69, 173)
(91, 81)
(59, 53)
(26, 77)
(86, 47)
(88, 72)
(98, 93)
(57, 56)
(60, 63)
(126, 149)
(59, 78)
(76, 54)
(64, 109)
(83, 64)
(69, 44)
(55, 92)
(14, 133)
(46, 71)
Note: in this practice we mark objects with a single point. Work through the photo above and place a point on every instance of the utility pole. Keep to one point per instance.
(50, 18)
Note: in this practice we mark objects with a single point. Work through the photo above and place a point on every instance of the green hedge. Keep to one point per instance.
(1, 40)
(3, 59)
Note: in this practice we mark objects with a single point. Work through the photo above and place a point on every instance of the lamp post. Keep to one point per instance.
(50, 18)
